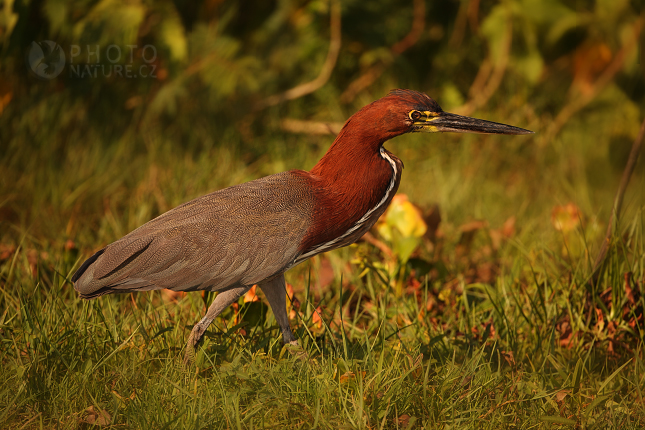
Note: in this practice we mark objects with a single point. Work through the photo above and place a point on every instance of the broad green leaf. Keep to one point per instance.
(405, 217)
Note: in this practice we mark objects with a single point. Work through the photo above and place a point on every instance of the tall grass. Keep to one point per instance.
(532, 346)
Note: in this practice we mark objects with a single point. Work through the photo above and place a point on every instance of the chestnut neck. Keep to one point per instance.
(352, 148)
(350, 180)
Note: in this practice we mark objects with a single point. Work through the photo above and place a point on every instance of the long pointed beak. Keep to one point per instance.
(444, 121)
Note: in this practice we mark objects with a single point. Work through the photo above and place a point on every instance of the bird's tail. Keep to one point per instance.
(89, 287)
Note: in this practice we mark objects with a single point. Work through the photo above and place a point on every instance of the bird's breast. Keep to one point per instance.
(349, 203)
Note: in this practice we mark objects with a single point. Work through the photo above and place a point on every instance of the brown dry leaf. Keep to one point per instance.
(508, 229)
(566, 218)
(162, 74)
(472, 226)
(251, 296)
(413, 285)
(491, 327)
(326, 273)
(589, 61)
(432, 218)
(99, 418)
(236, 311)
(431, 303)
(629, 294)
(508, 356)
(289, 288)
(495, 238)
(600, 321)
(6, 251)
(350, 376)
(416, 365)
(292, 302)
(69, 245)
(133, 102)
(32, 259)
(486, 273)
(560, 395)
(611, 330)
(468, 231)
(403, 420)
(170, 296)
(4, 100)
(566, 333)
(347, 376)
(123, 399)
(316, 318)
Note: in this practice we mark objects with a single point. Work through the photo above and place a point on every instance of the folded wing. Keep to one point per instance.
(237, 236)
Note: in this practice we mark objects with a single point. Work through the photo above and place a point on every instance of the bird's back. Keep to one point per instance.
(240, 235)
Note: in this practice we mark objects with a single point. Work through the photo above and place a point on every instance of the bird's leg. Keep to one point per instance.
(275, 292)
(221, 302)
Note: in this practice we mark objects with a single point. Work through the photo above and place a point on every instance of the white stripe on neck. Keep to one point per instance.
(327, 245)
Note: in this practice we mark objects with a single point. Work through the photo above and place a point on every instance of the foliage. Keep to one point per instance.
(484, 318)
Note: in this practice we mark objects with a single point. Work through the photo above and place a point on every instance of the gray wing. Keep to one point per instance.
(236, 236)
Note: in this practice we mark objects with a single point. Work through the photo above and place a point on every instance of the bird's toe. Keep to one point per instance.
(189, 356)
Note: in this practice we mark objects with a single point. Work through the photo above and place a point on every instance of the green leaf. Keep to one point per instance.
(597, 401)
(405, 217)
(610, 377)
(405, 246)
(557, 420)
(577, 374)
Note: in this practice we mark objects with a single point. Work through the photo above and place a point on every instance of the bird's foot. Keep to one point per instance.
(189, 356)
(191, 345)
(295, 349)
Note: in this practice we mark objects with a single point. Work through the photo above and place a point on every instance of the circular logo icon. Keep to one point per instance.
(45, 59)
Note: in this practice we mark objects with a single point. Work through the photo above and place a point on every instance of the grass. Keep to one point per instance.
(479, 335)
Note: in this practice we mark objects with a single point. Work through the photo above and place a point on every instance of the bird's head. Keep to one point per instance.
(407, 111)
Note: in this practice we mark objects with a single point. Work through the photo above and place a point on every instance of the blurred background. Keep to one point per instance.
(113, 112)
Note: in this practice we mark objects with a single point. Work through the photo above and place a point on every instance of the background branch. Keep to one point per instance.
(489, 76)
(373, 73)
(325, 71)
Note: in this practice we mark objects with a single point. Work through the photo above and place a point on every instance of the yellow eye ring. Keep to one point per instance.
(415, 115)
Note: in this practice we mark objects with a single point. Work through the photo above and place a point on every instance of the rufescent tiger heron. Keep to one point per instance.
(252, 233)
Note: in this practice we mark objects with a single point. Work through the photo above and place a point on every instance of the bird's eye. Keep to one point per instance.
(415, 115)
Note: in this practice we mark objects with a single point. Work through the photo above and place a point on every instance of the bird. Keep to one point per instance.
(252, 233)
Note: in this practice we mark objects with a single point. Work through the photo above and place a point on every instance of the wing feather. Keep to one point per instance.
(240, 235)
